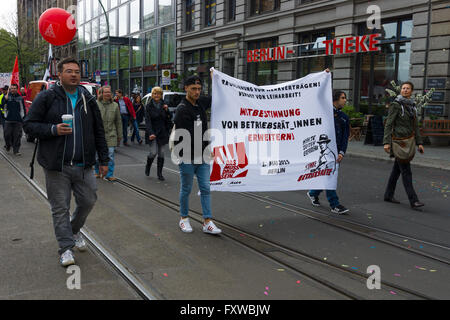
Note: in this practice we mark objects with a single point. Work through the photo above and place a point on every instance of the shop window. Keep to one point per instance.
(210, 13)
(263, 6)
(136, 49)
(189, 15)
(376, 70)
(262, 73)
(168, 44)
(151, 48)
(311, 52)
(124, 57)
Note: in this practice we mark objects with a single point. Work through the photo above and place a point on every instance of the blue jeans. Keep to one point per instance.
(125, 119)
(202, 172)
(135, 131)
(331, 196)
(110, 163)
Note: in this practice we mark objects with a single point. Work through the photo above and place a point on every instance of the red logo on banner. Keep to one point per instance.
(229, 162)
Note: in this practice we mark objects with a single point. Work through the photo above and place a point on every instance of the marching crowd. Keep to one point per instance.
(67, 151)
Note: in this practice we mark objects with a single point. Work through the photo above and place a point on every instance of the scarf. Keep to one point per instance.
(408, 105)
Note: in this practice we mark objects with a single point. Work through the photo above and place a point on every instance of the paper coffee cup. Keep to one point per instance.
(67, 118)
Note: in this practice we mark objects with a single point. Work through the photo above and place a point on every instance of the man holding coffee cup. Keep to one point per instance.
(67, 121)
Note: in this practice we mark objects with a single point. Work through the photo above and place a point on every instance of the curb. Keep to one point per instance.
(387, 159)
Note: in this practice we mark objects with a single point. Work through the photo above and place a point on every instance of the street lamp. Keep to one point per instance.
(109, 42)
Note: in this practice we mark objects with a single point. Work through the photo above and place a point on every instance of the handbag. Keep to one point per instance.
(404, 149)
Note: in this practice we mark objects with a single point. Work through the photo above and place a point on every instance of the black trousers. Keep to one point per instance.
(405, 170)
(13, 134)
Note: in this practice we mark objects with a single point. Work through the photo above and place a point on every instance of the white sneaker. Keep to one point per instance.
(185, 225)
(67, 258)
(80, 244)
(210, 227)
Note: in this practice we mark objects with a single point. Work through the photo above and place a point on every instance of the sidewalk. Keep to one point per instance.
(29, 266)
(434, 157)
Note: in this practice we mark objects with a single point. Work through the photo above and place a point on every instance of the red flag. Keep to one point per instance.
(15, 73)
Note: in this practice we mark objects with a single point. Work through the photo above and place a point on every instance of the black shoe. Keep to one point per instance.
(314, 200)
(340, 209)
(417, 204)
(160, 164)
(393, 200)
(148, 165)
(7, 148)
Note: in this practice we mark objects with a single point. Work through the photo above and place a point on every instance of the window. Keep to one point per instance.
(123, 21)
(149, 13)
(80, 13)
(210, 13)
(81, 37)
(262, 73)
(95, 6)
(104, 57)
(114, 3)
(87, 33)
(190, 10)
(124, 57)
(313, 50)
(134, 16)
(114, 61)
(263, 6)
(164, 11)
(113, 23)
(136, 51)
(231, 10)
(103, 28)
(95, 32)
(88, 9)
(168, 44)
(199, 62)
(151, 48)
(376, 70)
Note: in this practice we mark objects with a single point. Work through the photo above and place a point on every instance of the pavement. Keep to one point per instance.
(437, 157)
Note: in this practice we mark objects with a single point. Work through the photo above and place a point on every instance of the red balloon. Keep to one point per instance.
(57, 26)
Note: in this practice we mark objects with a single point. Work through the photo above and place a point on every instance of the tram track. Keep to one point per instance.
(343, 224)
(347, 225)
(266, 248)
(121, 269)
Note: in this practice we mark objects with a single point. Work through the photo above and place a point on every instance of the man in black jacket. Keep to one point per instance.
(67, 153)
(14, 109)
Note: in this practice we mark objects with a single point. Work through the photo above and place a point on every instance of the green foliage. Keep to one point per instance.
(8, 51)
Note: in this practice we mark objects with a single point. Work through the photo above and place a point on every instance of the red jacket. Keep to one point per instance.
(129, 105)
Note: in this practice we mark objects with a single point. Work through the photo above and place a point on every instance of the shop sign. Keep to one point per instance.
(345, 45)
(438, 96)
(268, 54)
(435, 110)
(352, 44)
(437, 83)
(152, 67)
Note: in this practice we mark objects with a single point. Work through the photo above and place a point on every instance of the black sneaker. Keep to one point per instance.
(7, 148)
(340, 209)
(314, 200)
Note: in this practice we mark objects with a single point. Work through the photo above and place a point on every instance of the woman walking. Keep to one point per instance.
(402, 129)
(157, 122)
(139, 109)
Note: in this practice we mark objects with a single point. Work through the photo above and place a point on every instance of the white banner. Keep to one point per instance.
(273, 138)
(5, 79)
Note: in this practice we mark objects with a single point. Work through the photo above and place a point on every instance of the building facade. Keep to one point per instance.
(415, 42)
(28, 13)
(127, 43)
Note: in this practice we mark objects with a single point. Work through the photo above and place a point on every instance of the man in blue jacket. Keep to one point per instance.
(14, 110)
(342, 128)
